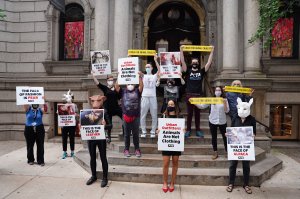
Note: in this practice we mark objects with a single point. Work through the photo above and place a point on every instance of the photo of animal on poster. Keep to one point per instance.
(170, 64)
(240, 143)
(100, 61)
(91, 124)
(66, 114)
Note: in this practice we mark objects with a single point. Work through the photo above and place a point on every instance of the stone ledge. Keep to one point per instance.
(76, 67)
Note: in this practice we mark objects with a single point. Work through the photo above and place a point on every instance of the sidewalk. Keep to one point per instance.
(65, 179)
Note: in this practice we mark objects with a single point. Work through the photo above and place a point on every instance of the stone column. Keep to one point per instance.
(230, 36)
(121, 26)
(252, 51)
(101, 24)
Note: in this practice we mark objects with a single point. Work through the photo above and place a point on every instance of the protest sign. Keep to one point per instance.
(29, 95)
(207, 100)
(171, 135)
(197, 48)
(137, 52)
(237, 89)
(91, 124)
(128, 70)
(240, 143)
(66, 115)
(170, 64)
(100, 61)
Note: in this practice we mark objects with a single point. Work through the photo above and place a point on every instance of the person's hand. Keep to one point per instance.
(103, 122)
(181, 47)
(180, 74)
(157, 131)
(155, 56)
(252, 91)
(226, 134)
(212, 48)
(141, 74)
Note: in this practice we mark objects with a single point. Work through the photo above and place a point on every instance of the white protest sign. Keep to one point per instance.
(29, 95)
(91, 124)
(128, 70)
(170, 64)
(240, 143)
(100, 61)
(66, 114)
(171, 136)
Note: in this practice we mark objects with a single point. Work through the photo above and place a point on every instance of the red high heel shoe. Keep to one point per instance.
(165, 189)
(171, 189)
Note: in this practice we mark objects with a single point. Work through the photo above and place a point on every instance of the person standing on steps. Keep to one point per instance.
(194, 79)
(149, 100)
(217, 119)
(112, 103)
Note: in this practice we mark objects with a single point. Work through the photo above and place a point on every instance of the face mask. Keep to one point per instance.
(218, 93)
(148, 71)
(170, 109)
(130, 87)
(195, 66)
(110, 83)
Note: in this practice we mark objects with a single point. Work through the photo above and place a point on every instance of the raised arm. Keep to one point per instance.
(141, 85)
(94, 77)
(209, 61)
(157, 64)
(183, 64)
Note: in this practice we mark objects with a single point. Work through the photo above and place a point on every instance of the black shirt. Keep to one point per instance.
(111, 104)
(194, 81)
(249, 121)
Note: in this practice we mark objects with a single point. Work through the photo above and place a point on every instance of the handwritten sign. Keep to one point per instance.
(128, 70)
(29, 95)
(240, 143)
(197, 48)
(66, 114)
(207, 100)
(91, 124)
(137, 52)
(171, 136)
(237, 89)
(100, 61)
(170, 64)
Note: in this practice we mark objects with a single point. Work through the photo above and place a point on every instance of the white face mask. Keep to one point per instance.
(218, 93)
(130, 87)
(110, 83)
(148, 71)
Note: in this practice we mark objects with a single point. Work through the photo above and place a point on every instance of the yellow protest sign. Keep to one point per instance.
(237, 89)
(206, 100)
(197, 48)
(138, 52)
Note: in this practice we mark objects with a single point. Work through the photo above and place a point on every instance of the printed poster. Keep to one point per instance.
(170, 64)
(91, 124)
(66, 115)
(29, 95)
(171, 135)
(240, 143)
(128, 69)
(100, 61)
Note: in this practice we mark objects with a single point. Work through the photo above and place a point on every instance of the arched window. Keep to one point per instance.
(71, 33)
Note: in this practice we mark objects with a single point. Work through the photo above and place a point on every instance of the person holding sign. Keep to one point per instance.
(243, 119)
(35, 132)
(194, 78)
(217, 119)
(149, 100)
(112, 103)
(97, 103)
(232, 100)
(131, 100)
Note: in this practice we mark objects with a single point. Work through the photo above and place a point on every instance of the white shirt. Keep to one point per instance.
(149, 82)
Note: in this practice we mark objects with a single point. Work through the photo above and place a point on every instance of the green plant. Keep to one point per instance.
(270, 11)
(2, 15)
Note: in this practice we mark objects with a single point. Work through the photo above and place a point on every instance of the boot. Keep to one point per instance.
(104, 182)
(215, 155)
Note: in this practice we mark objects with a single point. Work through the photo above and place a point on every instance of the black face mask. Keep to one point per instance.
(195, 66)
(170, 109)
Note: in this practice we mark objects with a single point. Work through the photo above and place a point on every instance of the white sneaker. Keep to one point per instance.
(152, 135)
(143, 135)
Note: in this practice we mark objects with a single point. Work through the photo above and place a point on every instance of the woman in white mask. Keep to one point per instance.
(217, 119)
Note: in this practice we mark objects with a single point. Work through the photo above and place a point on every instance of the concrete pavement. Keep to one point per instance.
(65, 179)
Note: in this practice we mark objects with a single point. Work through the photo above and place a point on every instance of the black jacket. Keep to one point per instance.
(249, 121)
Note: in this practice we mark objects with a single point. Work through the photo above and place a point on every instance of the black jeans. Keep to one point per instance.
(35, 136)
(117, 112)
(214, 130)
(92, 146)
(246, 171)
(68, 131)
(134, 128)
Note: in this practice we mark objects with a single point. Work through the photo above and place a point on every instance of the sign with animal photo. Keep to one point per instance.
(29, 95)
(91, 124)
(100, 61)
(66, 114)
(171, 135)
(240, 143)
(170, 65)
(128, 70)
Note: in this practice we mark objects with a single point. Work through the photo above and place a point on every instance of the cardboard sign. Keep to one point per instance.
(100, 61)
(207, 100)
(91, 124)
(197, 48)
(170, 65)
(29, 95)
(171, 135)
(237, 89)
(240, 143)
(137, 52)
(66, 114)
(128, 70)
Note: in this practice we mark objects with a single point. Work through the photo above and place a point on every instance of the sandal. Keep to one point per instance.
(248, 189)
(229, 188)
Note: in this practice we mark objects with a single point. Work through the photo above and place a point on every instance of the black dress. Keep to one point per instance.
(171, 153)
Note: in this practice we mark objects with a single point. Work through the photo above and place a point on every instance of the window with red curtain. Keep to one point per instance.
(282, 43)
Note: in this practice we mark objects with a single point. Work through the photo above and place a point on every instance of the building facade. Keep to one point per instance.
(41, 46)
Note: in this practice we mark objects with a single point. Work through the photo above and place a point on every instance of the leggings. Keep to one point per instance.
(68, 131)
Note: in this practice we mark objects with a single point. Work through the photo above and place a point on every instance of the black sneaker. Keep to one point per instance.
(42, 164)
(104, 183)
(91, 180)
(30, 163)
